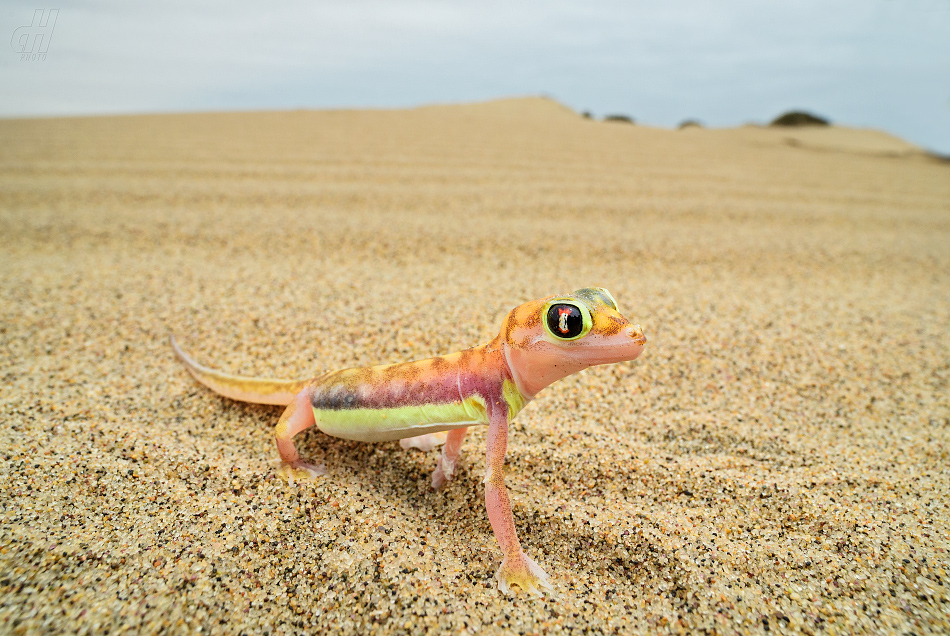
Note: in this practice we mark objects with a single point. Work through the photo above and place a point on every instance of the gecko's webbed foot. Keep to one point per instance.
(524, 573)
(299, 471)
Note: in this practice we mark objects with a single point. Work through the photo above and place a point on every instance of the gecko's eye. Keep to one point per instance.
(566, 321)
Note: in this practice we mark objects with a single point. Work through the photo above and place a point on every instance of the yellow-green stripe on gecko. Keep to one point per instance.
(540, 342)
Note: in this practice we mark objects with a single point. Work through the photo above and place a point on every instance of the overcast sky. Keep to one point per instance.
(878, 63)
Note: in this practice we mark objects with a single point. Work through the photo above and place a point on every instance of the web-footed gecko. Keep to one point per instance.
(540, 342)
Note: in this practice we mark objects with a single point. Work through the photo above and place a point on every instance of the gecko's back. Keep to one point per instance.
(396, 401)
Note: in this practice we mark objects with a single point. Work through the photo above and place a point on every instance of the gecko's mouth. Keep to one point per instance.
(626, 345)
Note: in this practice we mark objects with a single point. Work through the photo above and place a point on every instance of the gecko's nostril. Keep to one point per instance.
(636, 333)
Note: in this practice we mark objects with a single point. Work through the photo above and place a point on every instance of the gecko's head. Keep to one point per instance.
(548, 339)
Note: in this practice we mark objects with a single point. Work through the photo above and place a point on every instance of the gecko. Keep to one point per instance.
(432, 401)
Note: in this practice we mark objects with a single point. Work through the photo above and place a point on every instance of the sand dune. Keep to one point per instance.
(835, 139)
(775, 460)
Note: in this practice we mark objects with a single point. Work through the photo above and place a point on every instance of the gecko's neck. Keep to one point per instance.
(531, 372)
(497, 368)
(482, 370)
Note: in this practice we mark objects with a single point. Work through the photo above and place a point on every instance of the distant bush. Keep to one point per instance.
(936, 156)
(799, 118)
(690, 123)
(621, 118)
(587, 114)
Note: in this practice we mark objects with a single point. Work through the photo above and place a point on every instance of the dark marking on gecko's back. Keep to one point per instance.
(335, 399)
(465, 358)
(408, 371)
(390, 372)
(430, 381)
(363, 375)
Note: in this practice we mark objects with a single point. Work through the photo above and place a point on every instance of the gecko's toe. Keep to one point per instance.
(300, 471)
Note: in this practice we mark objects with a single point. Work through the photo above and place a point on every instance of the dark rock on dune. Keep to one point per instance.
(799, 118)
(690, 123)
(621, 118)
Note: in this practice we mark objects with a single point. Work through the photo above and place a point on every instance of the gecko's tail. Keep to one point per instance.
(256, 390)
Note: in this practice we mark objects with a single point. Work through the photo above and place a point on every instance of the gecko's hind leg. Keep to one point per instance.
(296, 418)
(450, 454)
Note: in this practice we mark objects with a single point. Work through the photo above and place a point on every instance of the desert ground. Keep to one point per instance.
(776, 460)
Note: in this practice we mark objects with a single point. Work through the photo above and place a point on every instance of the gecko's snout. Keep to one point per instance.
(635, 332)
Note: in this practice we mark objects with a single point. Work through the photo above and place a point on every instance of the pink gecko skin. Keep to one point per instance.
(540, 342)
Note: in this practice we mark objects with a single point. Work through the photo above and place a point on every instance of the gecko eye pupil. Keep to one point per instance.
(565, 321)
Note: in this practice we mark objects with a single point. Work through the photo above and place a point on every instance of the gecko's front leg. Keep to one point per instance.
(516, 567)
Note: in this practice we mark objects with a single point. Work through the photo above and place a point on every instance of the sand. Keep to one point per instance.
(776, 460)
